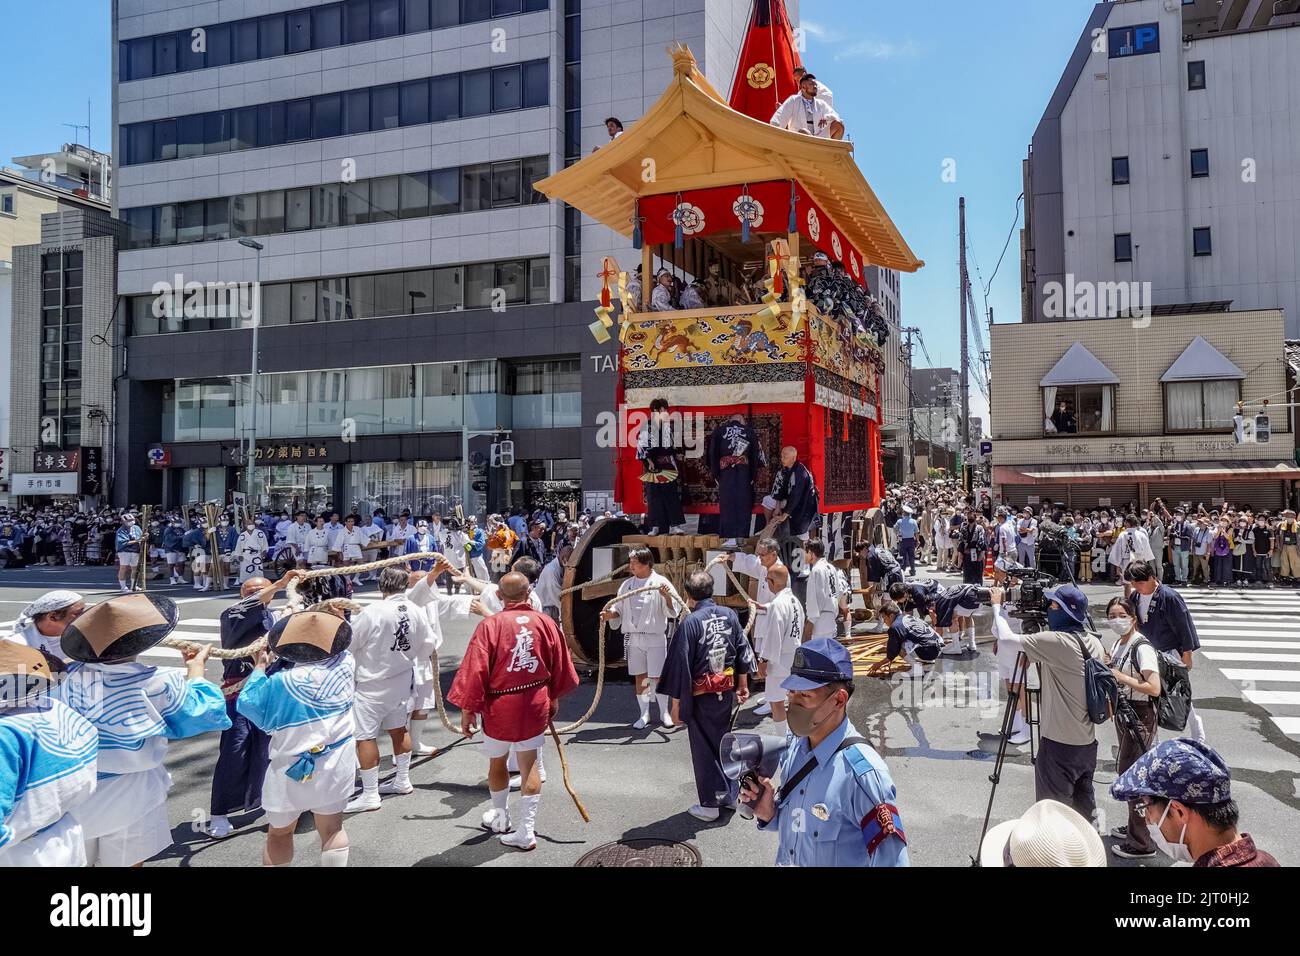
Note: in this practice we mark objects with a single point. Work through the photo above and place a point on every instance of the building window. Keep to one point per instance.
(1200, 163)
(1196, 75)
(1119, 171)
(1123, 247)
(7, 204)
(1089, 410)
(441, 98)
(1201, 244)
(1201, 406)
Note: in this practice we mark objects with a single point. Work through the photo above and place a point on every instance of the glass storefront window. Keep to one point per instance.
(294, 488)
(364, 403)
(399, 407)
(285, 396)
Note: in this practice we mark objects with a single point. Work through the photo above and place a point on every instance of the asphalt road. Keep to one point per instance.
(637, 784)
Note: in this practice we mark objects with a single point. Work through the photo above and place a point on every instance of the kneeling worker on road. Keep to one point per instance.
(836, 802)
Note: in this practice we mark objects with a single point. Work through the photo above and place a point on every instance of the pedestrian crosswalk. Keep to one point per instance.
(1253, 639)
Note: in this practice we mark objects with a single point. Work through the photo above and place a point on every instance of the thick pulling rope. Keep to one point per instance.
(295, 603)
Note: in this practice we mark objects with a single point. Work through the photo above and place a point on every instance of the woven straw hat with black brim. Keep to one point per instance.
(26, 674)
(118, 629)
(309, 637)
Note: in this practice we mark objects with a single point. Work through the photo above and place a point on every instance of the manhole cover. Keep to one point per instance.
(642, 853)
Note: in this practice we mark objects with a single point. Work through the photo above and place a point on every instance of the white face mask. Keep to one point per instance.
(1120, 625)
(1178, 852)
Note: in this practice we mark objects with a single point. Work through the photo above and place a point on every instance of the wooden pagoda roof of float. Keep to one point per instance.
(697, 141)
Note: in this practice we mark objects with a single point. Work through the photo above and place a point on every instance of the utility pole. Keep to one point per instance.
(965, 356)
(911, 402)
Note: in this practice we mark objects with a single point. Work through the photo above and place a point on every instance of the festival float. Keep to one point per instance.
(711, 191)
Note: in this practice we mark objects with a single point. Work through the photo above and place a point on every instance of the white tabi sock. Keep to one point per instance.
(1018, 725)
(781, 727)
(527, 825)
(337, 857)
(370, 780)
(643, 703)
(500, 799)
(403, 762)
(665, 705)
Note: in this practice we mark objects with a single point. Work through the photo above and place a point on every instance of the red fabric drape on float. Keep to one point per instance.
(765, 72)
(704, 212)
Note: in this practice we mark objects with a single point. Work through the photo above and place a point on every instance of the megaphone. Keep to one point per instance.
(746, 757)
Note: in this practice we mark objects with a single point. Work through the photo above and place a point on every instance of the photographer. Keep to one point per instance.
(1165, 621)
(1133, 662)
(1067, 755)
(836, 803)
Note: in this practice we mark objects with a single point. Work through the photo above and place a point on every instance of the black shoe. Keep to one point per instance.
(1130, 852)
(1120, 833)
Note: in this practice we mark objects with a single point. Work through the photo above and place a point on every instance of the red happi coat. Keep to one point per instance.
(515, 665)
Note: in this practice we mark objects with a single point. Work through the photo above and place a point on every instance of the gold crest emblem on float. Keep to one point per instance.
(761, 76)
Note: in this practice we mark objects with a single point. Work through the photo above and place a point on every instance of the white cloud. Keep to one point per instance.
(847, 47)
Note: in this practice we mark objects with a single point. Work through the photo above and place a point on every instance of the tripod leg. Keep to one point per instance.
(1013, 700)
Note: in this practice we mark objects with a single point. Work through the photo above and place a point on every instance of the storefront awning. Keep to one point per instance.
(1201, 361)
(1078, 366)
(1147, 471)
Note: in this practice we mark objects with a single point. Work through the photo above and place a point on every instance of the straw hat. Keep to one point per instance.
(25, 674)
(309, 637)
(120, 628)
(1049, 834)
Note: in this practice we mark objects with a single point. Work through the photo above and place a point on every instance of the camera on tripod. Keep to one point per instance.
(1030, 604)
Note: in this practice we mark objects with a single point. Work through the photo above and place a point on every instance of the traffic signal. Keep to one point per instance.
(1262, 429)
(507, 454)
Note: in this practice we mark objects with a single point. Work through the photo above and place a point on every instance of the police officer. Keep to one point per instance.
(836, 802)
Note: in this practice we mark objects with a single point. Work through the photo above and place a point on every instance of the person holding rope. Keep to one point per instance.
(304, 701)
(706, 674)
(514, 672)
(47, 764)
(243, 753)
(783, 616)
(137, 709)
(644, 620)
(423, 593)
(766, 557)
(387, 639)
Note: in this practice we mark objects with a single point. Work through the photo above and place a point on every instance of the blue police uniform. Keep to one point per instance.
(843, 812)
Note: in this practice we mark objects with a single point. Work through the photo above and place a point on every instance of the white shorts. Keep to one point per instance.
(424, 697)
(960, 611)
(59, 844)
(156, 552)
(769, 503)
(128, 559)
(776, 673)
(326, 792)
(175, 557)
(494, 749)
(146, 837)
(646, 654)
(385, 709)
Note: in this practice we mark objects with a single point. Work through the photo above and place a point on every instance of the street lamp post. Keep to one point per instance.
(252, 381)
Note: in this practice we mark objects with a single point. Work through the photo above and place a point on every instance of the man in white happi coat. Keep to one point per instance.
(250, 549)
(423, 593)
(782, 636)
(41, 623)
(644, 621)
(387, 639)
(823, 604)
(295, 538)
(757, 565)
(805, 113)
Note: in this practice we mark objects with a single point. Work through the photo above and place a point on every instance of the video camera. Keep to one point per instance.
(746, 757)
(1031, 604)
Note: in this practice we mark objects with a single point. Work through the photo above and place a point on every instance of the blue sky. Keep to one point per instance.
(921, 83)
(918, 83)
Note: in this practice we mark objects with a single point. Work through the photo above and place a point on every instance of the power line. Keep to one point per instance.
(1011, 232)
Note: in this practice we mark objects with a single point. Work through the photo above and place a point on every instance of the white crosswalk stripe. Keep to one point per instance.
(1253, 629)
